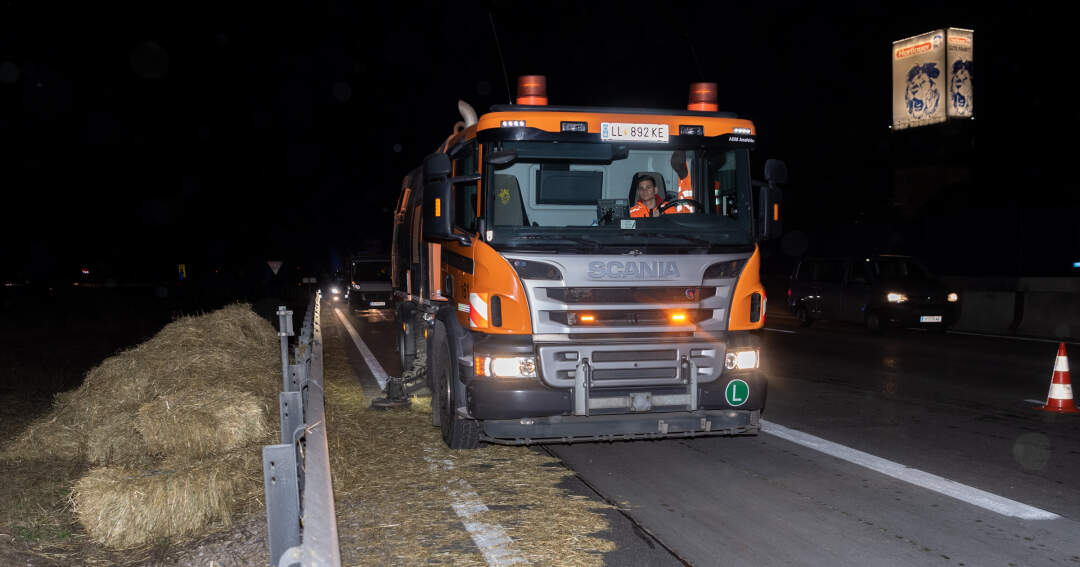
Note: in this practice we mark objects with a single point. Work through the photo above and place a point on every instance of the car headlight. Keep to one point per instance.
(894, 297)
(335, 290)
(953, 297)
(742, 359)
(505, 366)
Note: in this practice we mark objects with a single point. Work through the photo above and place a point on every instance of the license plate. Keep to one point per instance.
(930, 319)
(378, 303)
(623, 132)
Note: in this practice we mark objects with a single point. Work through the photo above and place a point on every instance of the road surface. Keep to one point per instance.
(914, 448)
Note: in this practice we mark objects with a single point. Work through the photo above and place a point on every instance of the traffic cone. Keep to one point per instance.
(1060, 398)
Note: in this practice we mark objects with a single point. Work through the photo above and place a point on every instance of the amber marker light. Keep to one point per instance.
(678, 317)
(703, 97)
(532, 90)
(587, 318)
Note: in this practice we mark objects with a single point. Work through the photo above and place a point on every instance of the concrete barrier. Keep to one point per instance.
(986, 312)
(1054, 314)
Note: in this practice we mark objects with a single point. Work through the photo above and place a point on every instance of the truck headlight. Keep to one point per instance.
(742, 359)
(894, 297)
(953, 297)
(505, 366)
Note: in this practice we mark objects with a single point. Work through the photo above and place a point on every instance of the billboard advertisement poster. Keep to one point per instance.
(959, 61)
(920, 89)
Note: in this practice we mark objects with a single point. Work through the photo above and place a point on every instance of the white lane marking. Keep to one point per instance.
(1031, 339)
(369, 359)
(779, 330)
(494, 544)
(1040, 402)
(938, 484)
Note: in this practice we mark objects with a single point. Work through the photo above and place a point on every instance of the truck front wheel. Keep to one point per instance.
(458, 432)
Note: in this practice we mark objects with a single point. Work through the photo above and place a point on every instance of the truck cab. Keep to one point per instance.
(549, 313)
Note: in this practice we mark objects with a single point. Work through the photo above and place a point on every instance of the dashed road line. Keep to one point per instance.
(369, 358)
(941, 485)
(491, 539)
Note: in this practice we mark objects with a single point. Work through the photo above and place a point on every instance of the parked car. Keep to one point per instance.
(878, 292)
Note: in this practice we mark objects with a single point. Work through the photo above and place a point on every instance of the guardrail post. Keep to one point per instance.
(297, 374)
(282, 499)
(285, 330)
(291, 410)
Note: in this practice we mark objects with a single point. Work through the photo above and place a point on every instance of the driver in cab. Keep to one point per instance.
(648, 203)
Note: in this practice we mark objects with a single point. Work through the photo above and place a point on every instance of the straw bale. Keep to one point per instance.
(121, 506)
(232, 347)
(115, 441)
(202, 423)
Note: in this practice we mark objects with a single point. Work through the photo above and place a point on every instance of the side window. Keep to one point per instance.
(465, 193)
(722, 184)
(857, 272)
(830, 271)
(806, 272)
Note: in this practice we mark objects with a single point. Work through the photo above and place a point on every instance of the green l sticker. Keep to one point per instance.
(737, 392)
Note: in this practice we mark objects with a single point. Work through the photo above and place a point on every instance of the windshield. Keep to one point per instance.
(582, 197)
(900, 269)
(370, 271)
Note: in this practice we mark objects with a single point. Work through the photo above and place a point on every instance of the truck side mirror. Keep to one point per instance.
(438, 201)
(770, 224)
(436, 165)
(775, 172)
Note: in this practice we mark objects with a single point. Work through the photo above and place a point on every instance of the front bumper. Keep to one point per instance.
(571, 429)
(902, 315)
(513, 398)
(371, 300)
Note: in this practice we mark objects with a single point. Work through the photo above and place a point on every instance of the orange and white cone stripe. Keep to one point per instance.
(478, 310)
(1060, 398)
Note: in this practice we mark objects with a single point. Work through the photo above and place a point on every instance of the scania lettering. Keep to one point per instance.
(537, 310)
(617, 270)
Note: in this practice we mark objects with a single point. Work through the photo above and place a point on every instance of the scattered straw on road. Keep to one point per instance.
(394, 481)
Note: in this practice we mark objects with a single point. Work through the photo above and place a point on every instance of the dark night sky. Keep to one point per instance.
(137, 139)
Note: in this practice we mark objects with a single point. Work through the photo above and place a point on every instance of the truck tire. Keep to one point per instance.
(457, 432)
(406, 336)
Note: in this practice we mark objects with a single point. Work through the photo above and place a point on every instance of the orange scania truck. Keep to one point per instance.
(538, 310)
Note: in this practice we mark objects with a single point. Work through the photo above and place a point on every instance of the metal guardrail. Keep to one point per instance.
(300, 519)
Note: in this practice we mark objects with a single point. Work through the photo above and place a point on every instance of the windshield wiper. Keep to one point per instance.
(547, 238)
(700, 241)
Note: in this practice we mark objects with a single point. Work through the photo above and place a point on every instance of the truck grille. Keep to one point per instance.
(626, 318)
(571, 295)
(630, 365)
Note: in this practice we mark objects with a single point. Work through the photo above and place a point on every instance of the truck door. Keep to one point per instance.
(457, 260)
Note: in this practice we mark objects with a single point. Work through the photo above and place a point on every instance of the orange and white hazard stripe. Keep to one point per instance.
(478, 310)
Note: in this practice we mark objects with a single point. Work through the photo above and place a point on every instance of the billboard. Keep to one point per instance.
(920, 92)
(960, 63)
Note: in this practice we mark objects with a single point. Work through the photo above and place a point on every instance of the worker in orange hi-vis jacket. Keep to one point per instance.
(648, 203)
(686, 190)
